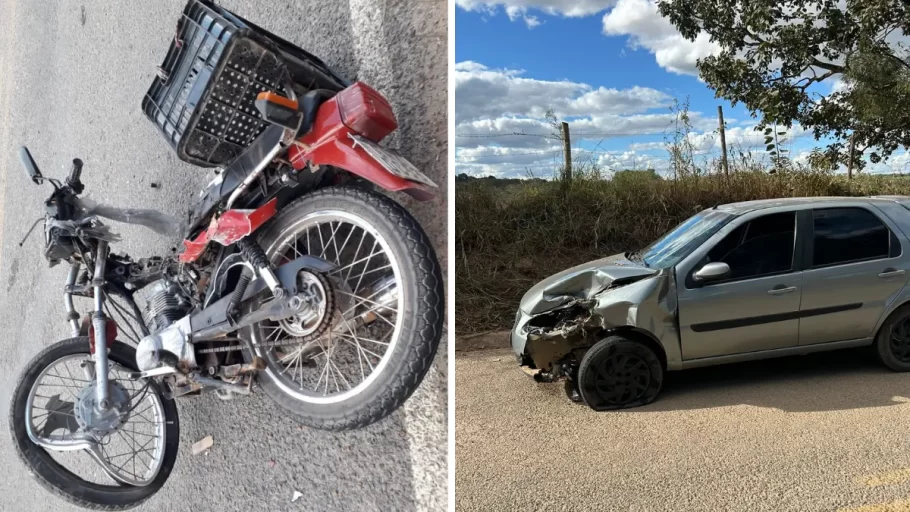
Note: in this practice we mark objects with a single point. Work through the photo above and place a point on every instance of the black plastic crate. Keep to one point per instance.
(203, 98)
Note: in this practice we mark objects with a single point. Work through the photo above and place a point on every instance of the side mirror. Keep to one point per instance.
(712, 272)
(30, 166)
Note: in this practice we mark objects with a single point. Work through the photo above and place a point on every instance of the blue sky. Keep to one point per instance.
(611, 68)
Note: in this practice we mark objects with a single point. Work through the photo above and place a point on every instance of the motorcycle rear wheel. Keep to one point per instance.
(55, 477)
(345, 218)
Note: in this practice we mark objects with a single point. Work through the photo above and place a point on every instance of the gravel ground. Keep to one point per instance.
(812, 433)
(72, 88)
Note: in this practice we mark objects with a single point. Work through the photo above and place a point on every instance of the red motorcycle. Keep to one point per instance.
(295, 272)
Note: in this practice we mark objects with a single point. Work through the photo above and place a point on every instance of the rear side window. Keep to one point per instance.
(844, 235)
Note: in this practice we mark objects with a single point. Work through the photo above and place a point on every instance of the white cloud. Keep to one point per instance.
(508, 162)
(637, 19)
(646, 28)
(621, 160)
(898, 164)
(517, 13)
(568, 8)
(537, 134)
(484, 93)
(501, 127)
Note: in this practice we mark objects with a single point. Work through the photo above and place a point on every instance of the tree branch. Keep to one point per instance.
(832, 68)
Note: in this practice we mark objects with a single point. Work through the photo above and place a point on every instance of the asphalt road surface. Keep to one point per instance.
(72, 78)
(815, 433)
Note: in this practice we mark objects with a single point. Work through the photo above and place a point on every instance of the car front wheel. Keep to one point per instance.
(617, 373)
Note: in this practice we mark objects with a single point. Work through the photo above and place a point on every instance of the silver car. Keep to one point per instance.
(737, 282)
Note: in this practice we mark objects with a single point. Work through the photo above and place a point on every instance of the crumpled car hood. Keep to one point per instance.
(581, 282)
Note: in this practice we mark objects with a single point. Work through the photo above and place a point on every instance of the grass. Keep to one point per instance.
(508, 238)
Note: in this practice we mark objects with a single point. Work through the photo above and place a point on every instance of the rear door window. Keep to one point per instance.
(846, 235)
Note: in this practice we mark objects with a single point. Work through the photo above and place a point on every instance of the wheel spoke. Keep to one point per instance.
(325, 246)
(366, 265)
(360, 350)
(360, 338)
(323, 372)
(365, 299)
(365, 269)
(361, 260)
(356, 254)
(343, 245)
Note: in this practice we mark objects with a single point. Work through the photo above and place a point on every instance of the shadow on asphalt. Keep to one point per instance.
(828, 381)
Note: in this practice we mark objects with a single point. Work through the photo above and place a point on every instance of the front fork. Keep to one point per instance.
(99, 322)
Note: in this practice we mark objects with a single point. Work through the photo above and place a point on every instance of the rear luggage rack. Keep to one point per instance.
(202, 99)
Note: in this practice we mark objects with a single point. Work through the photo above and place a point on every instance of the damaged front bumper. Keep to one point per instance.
(544, 343)
(567, 313)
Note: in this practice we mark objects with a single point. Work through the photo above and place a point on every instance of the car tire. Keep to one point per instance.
(894, 357)
(618, 373)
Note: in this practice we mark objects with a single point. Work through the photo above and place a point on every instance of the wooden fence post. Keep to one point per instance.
(723, 139)
(850, 162)
(567, 149)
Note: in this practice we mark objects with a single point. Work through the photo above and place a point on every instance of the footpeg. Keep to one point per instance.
(237, 370)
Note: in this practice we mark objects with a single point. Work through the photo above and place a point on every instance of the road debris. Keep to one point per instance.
(296, 496)
(202, 445)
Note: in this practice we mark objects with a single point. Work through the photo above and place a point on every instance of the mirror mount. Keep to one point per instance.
(31, 168)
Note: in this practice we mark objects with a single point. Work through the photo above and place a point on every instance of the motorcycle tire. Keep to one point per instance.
(56, 478)
(422, 309)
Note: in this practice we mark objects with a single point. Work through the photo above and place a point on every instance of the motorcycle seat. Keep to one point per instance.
(292, 114)
(232, 176)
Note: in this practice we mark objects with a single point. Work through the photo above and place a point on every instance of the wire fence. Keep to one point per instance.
(499, 157)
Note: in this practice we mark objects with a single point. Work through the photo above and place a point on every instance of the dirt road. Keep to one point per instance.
(821, 432)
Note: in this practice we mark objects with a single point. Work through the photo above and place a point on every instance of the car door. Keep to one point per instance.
(856, 270)
(757, 306)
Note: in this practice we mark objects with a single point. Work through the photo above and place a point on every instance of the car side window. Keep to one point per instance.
(845, 235)
(759, 247)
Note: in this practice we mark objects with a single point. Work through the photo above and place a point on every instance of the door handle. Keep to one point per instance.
(781, 289)
(891, 272)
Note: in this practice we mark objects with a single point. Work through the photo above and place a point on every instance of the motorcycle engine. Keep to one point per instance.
(167, 315)
(166, 304)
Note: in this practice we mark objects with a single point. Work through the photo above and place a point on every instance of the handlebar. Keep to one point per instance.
(73, 179)
(76, 172)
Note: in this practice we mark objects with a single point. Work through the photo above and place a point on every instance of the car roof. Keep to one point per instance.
(761, 204)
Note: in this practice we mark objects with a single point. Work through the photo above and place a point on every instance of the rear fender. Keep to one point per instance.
(329, 142)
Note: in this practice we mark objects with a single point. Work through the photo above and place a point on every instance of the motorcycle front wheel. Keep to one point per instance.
(368, 346)
(132, 459)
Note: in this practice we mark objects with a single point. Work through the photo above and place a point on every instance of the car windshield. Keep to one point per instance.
(671, 248)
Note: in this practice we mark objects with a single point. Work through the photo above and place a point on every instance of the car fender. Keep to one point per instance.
(647, 306)
(901, 298)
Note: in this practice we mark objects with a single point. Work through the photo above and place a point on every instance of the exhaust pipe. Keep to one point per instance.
(383, 300)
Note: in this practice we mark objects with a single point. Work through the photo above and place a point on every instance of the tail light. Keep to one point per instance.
(366, 112)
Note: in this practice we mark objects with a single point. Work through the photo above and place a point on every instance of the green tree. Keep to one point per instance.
(772, 52)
